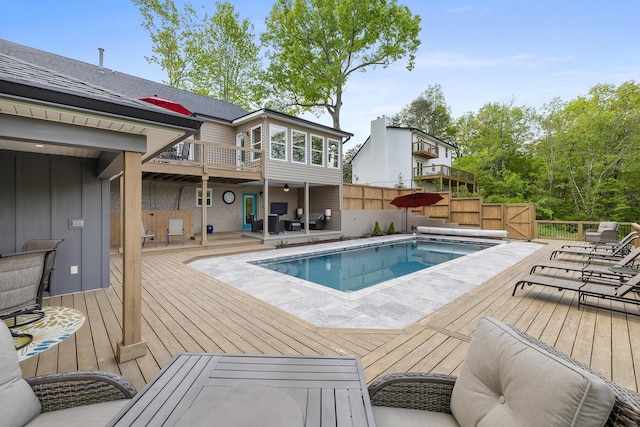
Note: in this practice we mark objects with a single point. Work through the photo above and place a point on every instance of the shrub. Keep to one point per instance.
(392, 229)
(376, 230)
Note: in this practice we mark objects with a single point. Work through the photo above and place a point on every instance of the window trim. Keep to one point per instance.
(273, 128)
(311, 150)
(293, 146)
(199, 197)
(255, 156)
(337, 166)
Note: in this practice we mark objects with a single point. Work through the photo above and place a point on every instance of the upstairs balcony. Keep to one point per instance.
(445, 176)
(191, 160)
(425, 149)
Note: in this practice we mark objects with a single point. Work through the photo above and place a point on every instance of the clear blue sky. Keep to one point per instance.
(479, 51)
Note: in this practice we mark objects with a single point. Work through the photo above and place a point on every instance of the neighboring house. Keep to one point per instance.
(409, 158)
(237, 164)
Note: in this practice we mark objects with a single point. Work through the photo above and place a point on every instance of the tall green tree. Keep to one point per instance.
(493, 144)
(214, 56)
(347, 169)
(590, 148)
(428, 112)
(314, 46)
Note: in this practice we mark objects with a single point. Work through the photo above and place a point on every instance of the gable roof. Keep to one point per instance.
(125, 84)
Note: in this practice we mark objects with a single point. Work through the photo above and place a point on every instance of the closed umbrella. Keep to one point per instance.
(415, 200)
(165, 103)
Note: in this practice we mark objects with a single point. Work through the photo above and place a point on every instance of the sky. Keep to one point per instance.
(479, 51)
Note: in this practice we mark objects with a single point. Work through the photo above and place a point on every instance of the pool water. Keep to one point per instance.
(355, 269)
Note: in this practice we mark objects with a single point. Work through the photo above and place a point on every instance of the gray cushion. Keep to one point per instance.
(396, 417)
(18, 403)
(505, 381)
(98, 414)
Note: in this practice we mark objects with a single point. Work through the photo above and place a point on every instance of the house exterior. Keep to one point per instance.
(407, 157)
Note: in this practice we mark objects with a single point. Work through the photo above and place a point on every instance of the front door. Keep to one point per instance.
(249, 207)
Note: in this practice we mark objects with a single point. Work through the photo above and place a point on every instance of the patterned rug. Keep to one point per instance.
(58, 324)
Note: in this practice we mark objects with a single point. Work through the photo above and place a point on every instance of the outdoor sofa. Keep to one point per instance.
(80, 398)
(507, 379)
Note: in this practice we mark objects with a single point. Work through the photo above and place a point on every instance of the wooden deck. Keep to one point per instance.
(185, 310)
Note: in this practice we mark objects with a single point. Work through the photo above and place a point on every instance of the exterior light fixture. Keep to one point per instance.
(286, 188)
(327, 214)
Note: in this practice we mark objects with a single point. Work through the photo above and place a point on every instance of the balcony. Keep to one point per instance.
(193, 159)
(425, 149)
(446, 176)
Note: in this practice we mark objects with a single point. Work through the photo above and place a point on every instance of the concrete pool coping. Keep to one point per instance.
(393, 304)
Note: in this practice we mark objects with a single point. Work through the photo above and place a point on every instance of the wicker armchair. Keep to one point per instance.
(432, 392)
(77, 388)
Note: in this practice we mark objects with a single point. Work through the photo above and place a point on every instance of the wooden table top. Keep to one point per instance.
(329, 390)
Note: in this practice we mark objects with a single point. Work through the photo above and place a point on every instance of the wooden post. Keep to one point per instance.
(203, 215)
(132, 345)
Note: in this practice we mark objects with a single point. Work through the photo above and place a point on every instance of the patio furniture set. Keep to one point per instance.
(176, 229)
(507, 378)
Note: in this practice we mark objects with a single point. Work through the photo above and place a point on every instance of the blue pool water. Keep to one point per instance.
(351, 270)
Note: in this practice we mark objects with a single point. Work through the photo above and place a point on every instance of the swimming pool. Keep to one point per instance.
(354, 269)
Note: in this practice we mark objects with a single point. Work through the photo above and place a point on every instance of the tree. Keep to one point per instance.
(493, 145)
(314, 46)
(590, 149)
(213, 56)
(429, 112)
(347, 169)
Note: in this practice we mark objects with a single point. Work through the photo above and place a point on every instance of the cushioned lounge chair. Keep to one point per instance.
(508, 378)
(87, 398)
(606, 232)
(614, 269)
(615, 291)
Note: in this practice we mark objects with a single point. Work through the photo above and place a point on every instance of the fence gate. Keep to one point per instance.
(520, 220)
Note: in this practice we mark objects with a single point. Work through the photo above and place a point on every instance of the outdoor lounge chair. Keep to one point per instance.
(49, 263)
(616, 269)
(508, 378)
(176, 228)
(606, 232)
(147, 234)
(595, 253)
(607, 246)
(615, 291)
(87, 398)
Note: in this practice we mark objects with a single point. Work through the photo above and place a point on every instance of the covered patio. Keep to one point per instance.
(185, 310)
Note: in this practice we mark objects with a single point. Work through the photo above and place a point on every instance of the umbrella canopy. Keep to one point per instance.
(165, 103)
(415, 200)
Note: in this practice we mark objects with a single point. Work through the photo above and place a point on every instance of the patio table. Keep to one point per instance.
(238, 390)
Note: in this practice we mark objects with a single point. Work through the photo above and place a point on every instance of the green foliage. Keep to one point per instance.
(429, 112)
(376, 230)
(347, 169)
(315, 45)
(392, 229)
(213, 56)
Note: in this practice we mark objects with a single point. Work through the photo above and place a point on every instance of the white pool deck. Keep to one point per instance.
(393, 304)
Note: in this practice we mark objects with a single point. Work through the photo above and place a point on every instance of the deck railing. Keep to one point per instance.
(423, 148)
(213, 155)
(574, 230)
(443, 172)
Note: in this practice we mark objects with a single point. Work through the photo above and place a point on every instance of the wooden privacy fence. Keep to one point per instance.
(518, 219)
(155, 220)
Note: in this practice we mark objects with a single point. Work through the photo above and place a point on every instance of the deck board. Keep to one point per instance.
(186, 310)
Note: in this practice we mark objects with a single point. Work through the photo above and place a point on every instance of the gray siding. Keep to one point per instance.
(40, 194)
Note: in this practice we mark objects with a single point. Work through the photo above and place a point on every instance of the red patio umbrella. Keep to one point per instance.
(415, 200)
(165, 103)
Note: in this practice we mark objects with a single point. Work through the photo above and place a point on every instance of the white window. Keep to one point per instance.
(256, 142)
(278, 140)
(199, 197)
(333, 153)
(299, 146)
(317, 150)
(446, 152)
